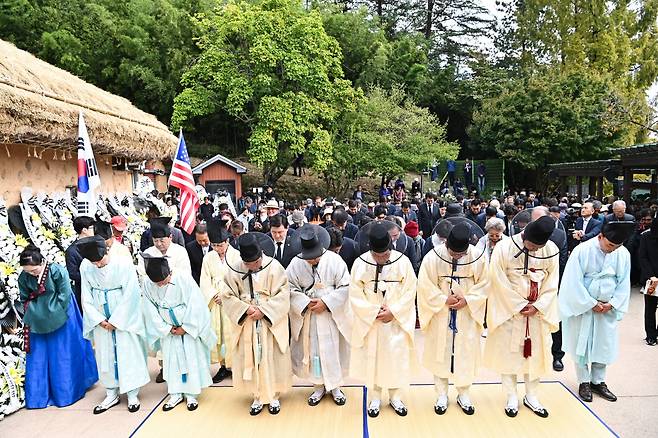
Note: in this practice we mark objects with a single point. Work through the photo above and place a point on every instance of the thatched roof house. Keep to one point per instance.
(39, 107)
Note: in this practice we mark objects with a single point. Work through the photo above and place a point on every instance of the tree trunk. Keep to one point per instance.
(428, 22)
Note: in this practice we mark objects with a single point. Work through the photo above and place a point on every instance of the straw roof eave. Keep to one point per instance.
(40, 103)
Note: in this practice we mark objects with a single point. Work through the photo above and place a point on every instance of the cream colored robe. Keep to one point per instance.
(319, 345)
(508, 291)
(213, 270)
(269, 373)
(382, 354)
(434, 283)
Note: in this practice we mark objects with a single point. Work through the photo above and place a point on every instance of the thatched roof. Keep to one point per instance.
(40, 103)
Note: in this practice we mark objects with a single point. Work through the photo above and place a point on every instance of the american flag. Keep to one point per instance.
(181, 178)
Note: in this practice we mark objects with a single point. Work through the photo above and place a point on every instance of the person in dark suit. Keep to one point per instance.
(355, 213)
(84, 227)
(346, 248)
(406, 213)
(618, 213)
(339, 219)
(428, 215)
(281, 234)
(586, 226)
(559, 238)
(197, 250)
(404, 244)
(648, 258)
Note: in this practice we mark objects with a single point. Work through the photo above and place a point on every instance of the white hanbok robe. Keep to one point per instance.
(261, 357)
(213, 270)
(509, 287)
(382, 354)
(118, 249)
(319, 341)
(186, 358)
(591, 276)
(112, 293)
(435, 282)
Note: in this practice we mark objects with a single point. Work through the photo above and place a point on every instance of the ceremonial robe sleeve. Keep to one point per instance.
(196, 320)
(621, 296)
(505, 301)
(206, 283)
(299, 301)
(402, 307)
(277, 307)
(127, 315)
(365, 312)
(574, 299)
(431, 298)
(91, 316)
(232, 304)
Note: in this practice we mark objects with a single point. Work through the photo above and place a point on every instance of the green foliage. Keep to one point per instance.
(548, 118)
(387, 135)
(272, 66)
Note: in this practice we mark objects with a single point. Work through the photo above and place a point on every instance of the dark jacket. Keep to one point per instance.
(288, 252)
(73, 261)
(207, 210)
(593, 228)
(350, 231)
(195, 252)
(349, 252)
(427, 219)
(648, 256)
(559, 238)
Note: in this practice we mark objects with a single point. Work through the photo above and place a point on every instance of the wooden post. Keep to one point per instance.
(592, 186)
(628, 185)
(599, 190)
(579, 188)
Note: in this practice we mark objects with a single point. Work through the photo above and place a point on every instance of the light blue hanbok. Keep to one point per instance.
(186, 358)
(590, 276)
(112, 293)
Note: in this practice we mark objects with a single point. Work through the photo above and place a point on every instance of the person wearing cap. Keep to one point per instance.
(213, 270)
(119, 226)
(382, 294)
(164, 246)
(257, 302)
(451, 309)
(112, 320)
(115, 248)
(412, 231)
(320, 327)
(297, 219)
(594, 296)
(59, 363)
(177, 319)
(522, 311)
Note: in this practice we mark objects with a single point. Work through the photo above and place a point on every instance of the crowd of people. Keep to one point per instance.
(324, 290)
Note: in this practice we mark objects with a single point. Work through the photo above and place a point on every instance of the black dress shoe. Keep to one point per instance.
(159, 378)
(602, 390)
(372, 412)
(222, 374)
(558, 365)
(540, 412)
(585, 392)
(255, 410)
(651, 342)
(274, 409)
(192, 406)
(133, 408)
(511, 412)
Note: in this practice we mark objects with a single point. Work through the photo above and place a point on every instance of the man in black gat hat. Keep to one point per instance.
(594, 296)
(451, 309)
(257, 302)
(522, 311)
(319, 287)
(163, 245)
(382, 292)
(213, 270)
(111, 298)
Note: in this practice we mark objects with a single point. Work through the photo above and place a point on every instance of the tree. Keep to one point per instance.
(549, 118)
(271, 66)
(387, 135)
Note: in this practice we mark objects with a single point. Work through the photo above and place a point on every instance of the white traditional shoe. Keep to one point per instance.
(441, 405)
(174, 400)
(338, 396)
(464, 402)
(315, 398)
(512, 407)
(531, 402)
(192, 403)
(109, 402)
(274, 407)
(373, 408)
(256, 408)
(398, 407)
